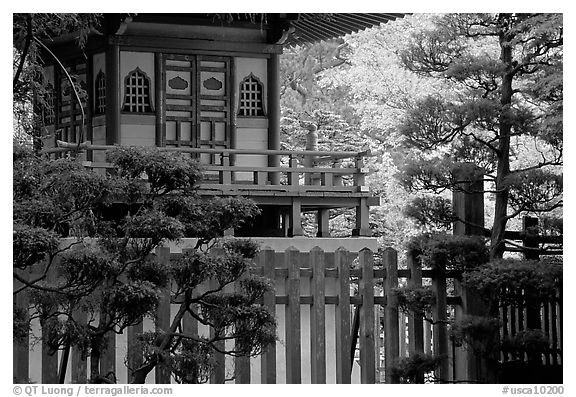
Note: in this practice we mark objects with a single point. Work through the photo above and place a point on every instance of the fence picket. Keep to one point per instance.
(367, 343)
(318, 317)
(50, 358)
(342, 319)
(415, 325)
(267, 262)
(20, 355)
(440, 332)
(79, 370)
(392, 330)
(162, 321)
(293, 344)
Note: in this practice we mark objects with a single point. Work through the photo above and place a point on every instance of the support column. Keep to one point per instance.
(274, 115)
(160, 99)
(296, 218)
(323, 218)
(468, 207)
(362, 219)
(113, 90)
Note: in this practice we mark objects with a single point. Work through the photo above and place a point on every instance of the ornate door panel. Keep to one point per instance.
(180, 100)
(197, 97)
(214, 104)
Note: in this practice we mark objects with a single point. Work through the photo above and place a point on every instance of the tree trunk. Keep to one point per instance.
(163, 342)
(505, 128)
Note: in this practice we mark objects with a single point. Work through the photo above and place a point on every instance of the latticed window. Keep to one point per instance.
(100, 89)
(251, 103)
(137, 93)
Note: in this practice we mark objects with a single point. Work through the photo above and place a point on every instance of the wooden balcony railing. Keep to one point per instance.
(242, 169)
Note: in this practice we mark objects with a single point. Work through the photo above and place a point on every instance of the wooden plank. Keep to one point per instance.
(440, 317)
(218, 376)
(241, 363)
(554, 321)
(546, 329)
(392, 329)
(292, 323)
(134, 355)
(267, 260)
(79, 370)
(415, 325)
(340, 171)
(21, 358)
(367, 342)
(50, 358)
(342, 319)
(318, 317)
(295, 217)
(162, 320)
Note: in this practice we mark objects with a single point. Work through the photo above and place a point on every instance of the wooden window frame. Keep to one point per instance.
(144, 92)
(100, 93)
(253, 105)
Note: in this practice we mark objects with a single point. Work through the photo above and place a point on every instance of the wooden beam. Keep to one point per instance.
(274, 115)
(113, 90)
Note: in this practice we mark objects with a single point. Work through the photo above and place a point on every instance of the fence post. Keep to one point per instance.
(267, 261)
(162, 320)
(293, 345)
(318, 317)
(20, 358)
(440, 332)
(79, 370)
(342, 320)
(50, 359)
(468, 207)
(530, 241)
(225, 177)
(392, 330)
(415, 326)
(367, 343)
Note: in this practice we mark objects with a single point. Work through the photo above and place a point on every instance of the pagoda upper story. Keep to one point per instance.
(206, 84)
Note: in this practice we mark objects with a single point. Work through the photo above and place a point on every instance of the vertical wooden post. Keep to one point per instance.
(113, 92)
(440, 317)
(293, 174)
(367, 343)
(274, 115)
(242, 363)
(402, 334)
(79, 370)
(293, 345)
(135, 356)
(160, 98)
(533, 315)
(342, 319)
(427, 338)
(162, 320)
(337, 178)
(359, 176)
(323, 217)
(415, 326)
(392, 331)
(225, 174)
(318, 317)
(469, 209)
(20, 358)
(50, 358)
(362, 218)
(296, 218)
(267, 261)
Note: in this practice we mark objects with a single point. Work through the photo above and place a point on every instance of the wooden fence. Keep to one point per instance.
(315, 295)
